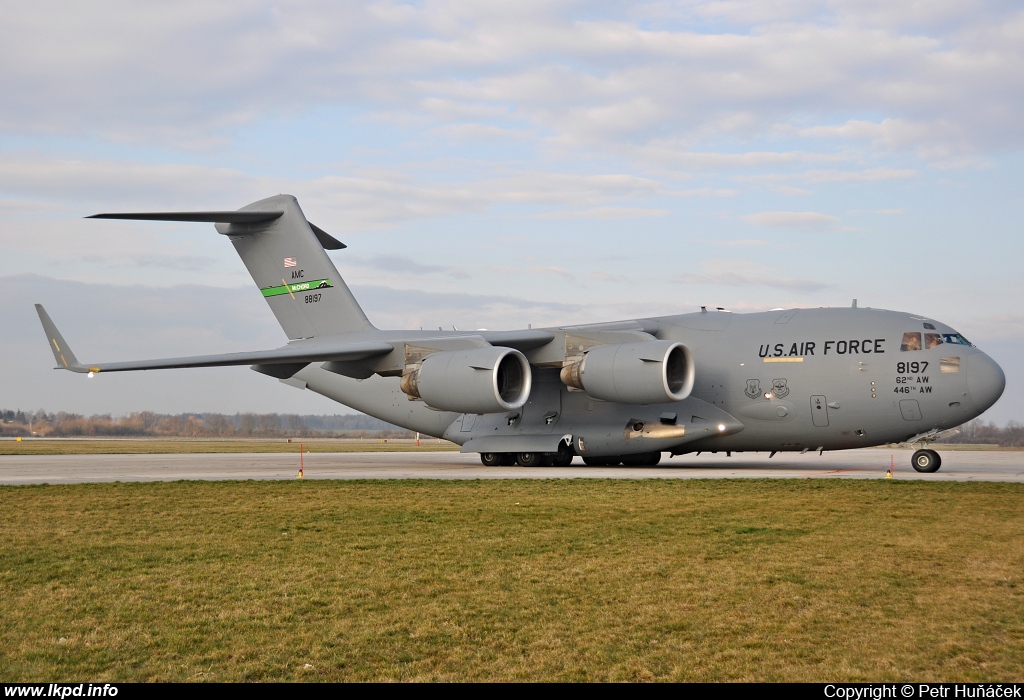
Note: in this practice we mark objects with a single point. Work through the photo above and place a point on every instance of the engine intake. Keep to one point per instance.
(473, 380)
(658, 371)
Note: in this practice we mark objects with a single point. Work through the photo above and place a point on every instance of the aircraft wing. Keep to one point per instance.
(282, 356)
(520, 340)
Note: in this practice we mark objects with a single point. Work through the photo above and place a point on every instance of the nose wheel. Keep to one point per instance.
(926, 461)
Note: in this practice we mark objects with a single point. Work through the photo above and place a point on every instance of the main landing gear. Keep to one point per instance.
(562, 458)
(926, 461)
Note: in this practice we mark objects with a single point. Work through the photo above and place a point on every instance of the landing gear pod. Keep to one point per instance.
(658, 371)
(473, 380)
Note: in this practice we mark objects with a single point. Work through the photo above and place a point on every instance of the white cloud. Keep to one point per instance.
(869, 175)
(745, 273)
(804, 220)
(942, 141)
(375, 199)
(395, 263)
(604, 213)
(553, 270)
(743, 243)
(480, 132)
(881, 212)
(827, 176)
(604, 276)
(123, 71)
(24, 208)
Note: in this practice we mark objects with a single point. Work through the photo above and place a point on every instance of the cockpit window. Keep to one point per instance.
(955, 338)
(929, 327)
(932, 340)
(911, 341)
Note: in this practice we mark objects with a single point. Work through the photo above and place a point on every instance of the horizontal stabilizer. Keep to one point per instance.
(213, 217)
(328, 241)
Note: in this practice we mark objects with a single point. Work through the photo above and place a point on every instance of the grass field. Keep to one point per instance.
(42, 446)
(513, 580)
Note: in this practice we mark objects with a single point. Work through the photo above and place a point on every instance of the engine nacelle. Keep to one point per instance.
(658, 371)
(472, 380)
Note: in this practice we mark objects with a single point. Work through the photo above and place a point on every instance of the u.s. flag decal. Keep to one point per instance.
(290, 262)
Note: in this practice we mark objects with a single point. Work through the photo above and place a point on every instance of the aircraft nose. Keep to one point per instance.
(985, 380)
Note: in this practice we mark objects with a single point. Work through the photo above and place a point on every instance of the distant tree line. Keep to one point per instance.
(148, 424)
(978, 432)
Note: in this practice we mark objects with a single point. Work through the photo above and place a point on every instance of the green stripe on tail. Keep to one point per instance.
(296, 288)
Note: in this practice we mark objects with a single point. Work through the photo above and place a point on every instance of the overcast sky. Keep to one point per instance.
(496, 164)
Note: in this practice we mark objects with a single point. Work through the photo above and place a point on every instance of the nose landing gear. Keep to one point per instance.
(926, 461)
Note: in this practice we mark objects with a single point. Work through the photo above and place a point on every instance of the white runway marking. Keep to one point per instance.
(852, 464)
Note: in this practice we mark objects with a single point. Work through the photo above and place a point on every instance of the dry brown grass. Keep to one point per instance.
(513, 580)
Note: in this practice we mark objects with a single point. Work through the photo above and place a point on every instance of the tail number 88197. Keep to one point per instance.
(312, 298)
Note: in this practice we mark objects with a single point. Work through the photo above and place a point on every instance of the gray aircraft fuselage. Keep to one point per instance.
(826, 378)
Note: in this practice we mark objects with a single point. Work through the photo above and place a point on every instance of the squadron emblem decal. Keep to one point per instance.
(753, 389)
(779, 388)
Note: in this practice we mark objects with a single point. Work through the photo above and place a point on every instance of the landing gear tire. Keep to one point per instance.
(490, 459)
(562, 458)
(530, 459)
(508, 459)
(926, 461)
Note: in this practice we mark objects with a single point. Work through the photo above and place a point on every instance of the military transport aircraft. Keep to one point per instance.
(621, 392)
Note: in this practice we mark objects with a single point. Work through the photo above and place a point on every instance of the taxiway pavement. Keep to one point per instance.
(853, 464)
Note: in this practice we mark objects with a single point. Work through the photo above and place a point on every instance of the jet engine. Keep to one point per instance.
(471, 380)
(658, 371)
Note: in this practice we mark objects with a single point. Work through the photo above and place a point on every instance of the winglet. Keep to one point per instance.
(61, 352)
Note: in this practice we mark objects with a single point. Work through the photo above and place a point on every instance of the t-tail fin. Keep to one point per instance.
(285, 255)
